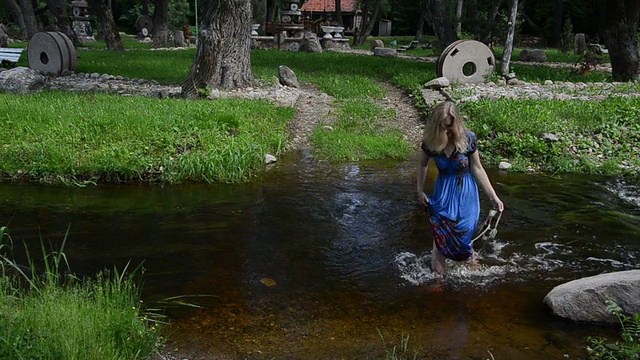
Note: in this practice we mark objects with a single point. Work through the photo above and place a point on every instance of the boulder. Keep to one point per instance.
(21, 80)
(287, 77)
(385, 52)
(4, 39)
(310, 43)
(376, 44)
(585, 299)
(437, 83)
(533, 56)
(179, 39)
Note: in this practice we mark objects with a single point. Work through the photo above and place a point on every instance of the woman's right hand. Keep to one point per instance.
(422, 198)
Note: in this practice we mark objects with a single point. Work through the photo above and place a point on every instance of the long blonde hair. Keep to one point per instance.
(435, 136)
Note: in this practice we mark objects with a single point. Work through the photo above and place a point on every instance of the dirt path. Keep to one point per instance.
(314, 106)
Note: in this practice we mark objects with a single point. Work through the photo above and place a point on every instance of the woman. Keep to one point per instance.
(454, 207)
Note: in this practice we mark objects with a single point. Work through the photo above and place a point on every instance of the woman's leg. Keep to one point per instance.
(438, 261)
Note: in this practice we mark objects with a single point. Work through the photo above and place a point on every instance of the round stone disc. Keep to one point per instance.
(443, 55)
(46, 54)
(468, 61)
(73, 58)
(144, 21)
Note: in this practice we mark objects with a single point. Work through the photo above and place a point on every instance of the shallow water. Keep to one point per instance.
(348, 250)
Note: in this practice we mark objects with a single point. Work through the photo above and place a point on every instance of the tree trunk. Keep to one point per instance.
(421, 18)
(16, 15)
(459, 17)
(160, 24)
(557, 24)
(367, 26)
(29, 16)
(358, 39)
(536, 29)
(472, 19)
(487, 34)
(107, 24)
(271, 14)
(145, 7)
(442, 26)
(223, 57)
(58, 10)
(508, 46)
(620, 27)
(339, 13)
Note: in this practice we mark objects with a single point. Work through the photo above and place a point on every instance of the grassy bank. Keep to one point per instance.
(50, 314)
(592, 137)
(101, 138)
(74, 138)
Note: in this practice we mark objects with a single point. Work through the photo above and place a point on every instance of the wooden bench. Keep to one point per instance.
(11, 55)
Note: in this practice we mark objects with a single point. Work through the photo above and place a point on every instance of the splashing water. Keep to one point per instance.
(627, 192)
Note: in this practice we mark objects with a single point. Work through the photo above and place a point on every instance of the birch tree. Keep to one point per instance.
(508, 45)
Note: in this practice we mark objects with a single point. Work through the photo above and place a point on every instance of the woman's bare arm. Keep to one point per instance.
(423, 166)
(483, 180)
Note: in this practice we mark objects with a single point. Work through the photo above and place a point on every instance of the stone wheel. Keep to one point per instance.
(466, 61)
(73, 58)
(144, 22)
(49, 53)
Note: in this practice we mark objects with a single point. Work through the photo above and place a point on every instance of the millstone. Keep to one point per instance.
(443, 56)
(144, 21)
(466, 61)
(73, 58)
(48, 53)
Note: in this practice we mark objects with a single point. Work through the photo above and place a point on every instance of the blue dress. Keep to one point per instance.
(454, 207)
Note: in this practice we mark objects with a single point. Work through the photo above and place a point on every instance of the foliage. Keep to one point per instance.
(628, 348)
(58, 316)
(566, 41)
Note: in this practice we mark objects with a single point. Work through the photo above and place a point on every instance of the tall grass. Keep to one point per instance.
(55, 315)
(77, 137)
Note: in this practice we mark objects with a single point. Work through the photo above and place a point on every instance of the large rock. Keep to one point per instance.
(585, 299)
(376, 44)
(533, 56)
(385, 52)
(179, 39)
(4, 39)
(288, 77)
(310, 43)
(21, 80)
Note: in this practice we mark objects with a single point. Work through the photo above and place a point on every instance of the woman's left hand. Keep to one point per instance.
(498, 203)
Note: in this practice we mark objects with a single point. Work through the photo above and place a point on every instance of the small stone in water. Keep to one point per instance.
(268, 282)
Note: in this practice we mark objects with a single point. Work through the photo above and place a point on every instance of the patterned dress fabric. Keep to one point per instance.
(454, 207)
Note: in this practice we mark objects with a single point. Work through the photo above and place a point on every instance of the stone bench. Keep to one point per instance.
(11, 55)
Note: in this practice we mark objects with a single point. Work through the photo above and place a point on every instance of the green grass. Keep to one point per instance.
(169, 146)
(594, 137)
(58, 316)
(360, 132)
(77, 137)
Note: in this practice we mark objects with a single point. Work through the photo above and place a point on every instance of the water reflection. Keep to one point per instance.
(349, 250)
